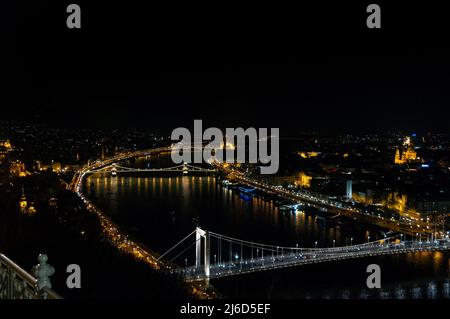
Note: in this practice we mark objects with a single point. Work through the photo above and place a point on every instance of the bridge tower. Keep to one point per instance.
(200, 235)
(114, 170)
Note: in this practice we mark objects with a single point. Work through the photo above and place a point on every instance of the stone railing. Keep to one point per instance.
(16, 283)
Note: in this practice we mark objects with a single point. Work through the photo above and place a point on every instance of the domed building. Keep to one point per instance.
(406, 153)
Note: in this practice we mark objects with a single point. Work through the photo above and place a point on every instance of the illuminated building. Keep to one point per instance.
(31, 209)
(410, 154)
(24, 207)
(397, 201)
(56, 167)
(406, 153)
(398, 159)
(16, 168)
(6, 144)
(23, 204)
(308, 154)
(38, 165)
(303, 180)
(361, 197)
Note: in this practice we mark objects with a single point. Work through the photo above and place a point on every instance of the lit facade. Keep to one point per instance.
(23, 204)
(406, 153)
(303, 180)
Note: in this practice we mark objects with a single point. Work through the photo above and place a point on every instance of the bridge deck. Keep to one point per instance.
(295, 259)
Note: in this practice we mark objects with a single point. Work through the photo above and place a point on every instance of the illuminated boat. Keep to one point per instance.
(247, 190)
(226, 183)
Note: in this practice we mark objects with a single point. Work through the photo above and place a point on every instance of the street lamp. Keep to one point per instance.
(315, 244)
(334, 241)
(351, 241)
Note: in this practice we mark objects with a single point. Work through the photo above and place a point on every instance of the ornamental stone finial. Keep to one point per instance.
(42, 272)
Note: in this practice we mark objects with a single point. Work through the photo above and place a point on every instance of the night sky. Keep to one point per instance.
(297, 68)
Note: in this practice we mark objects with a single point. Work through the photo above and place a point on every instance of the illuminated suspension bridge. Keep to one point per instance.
(219, 256)
(107, 166)
(184, 168)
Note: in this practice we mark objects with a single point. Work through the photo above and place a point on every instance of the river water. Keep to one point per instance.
(160, 211)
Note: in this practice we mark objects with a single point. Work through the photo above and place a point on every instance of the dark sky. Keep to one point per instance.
(297, 68)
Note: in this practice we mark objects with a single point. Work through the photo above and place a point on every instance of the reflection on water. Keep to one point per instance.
(159, 211)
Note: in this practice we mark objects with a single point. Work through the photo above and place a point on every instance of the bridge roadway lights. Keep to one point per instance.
(373, 251)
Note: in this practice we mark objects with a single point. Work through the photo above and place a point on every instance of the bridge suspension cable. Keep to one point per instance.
(176, 245)
(181, 167)
(277, 248)
(184, 250)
